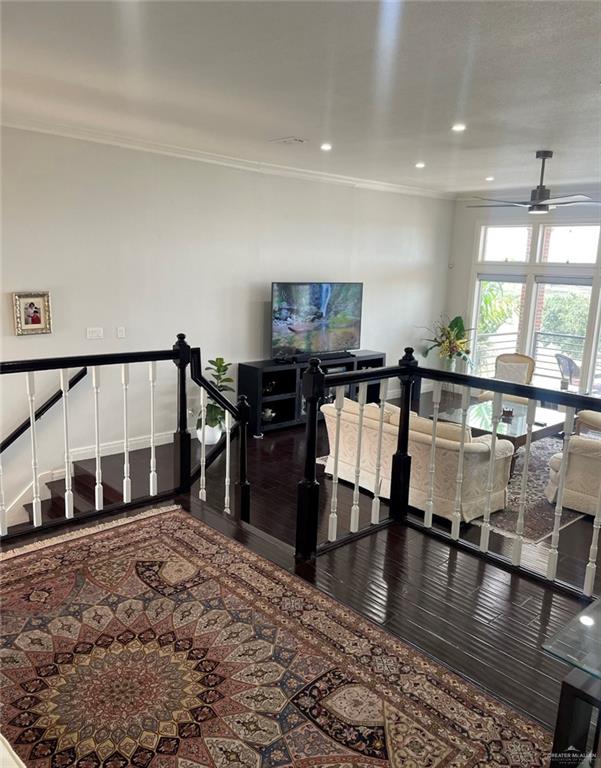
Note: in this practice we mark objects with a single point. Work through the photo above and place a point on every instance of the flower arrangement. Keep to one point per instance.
(450, 338)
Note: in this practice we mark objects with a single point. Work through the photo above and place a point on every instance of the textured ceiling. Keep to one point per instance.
(383, 82)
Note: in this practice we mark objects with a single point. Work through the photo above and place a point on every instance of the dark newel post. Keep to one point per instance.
(182, 439)
(401, 461)
(307, 509)
(243, 484)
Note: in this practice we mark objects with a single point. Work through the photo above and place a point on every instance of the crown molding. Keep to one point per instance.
(200, 156)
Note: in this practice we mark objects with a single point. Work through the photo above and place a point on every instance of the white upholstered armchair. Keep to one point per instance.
(583, 475)
(476, 458)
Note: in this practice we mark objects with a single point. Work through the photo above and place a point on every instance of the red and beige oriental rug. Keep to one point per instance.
(159, 642)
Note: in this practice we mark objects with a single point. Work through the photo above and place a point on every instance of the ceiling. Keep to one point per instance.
(383, 82)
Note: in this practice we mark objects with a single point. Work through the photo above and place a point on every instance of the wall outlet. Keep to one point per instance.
(94, 333)
(120, 331)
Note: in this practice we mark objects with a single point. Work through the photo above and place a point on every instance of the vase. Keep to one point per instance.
(211, 434)
(449, 364)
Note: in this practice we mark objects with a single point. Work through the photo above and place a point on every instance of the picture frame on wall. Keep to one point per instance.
(32, 313)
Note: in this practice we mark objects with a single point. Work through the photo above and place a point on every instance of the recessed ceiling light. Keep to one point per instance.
(420, 165)
(326, 146)
(459, 127)
(588, 621)
(489, 178)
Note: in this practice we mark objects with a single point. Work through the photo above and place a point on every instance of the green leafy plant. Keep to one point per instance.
(218, 370)
(450, 338)
(496, 307)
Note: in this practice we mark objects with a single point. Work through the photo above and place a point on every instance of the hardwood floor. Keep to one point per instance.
(474, 617)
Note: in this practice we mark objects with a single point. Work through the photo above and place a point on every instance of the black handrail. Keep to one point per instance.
(558, 397)
(44, 408)
(111, 358)
(183, 356)
(315, 384)
(213, 392)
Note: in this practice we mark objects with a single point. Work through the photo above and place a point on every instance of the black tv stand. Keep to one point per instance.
(274, 392)
(326, 356)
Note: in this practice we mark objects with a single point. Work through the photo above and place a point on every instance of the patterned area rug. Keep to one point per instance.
(159, 642)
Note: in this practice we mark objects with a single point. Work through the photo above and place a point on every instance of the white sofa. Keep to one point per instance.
(583, 476)
(476, 459)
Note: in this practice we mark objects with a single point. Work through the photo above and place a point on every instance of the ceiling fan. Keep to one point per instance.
(540, 197)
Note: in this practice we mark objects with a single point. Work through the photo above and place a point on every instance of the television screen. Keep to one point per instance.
(315, 317)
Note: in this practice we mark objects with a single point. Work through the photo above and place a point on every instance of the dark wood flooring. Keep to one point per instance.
(472, 616)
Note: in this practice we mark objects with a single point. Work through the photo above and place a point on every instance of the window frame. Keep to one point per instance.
(504, 262)
(533, 270)
(578, 225)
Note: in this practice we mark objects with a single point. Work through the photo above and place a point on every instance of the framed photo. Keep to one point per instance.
(32, 312)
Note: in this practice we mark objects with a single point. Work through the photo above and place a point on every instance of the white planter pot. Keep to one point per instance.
(211, 436)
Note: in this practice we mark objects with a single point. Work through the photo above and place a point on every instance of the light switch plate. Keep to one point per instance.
(95, 333)
(120, 331)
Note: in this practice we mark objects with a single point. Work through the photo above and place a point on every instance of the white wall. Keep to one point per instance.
(161, 245)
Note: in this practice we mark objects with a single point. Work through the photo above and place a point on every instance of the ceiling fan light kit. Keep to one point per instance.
(540, 201)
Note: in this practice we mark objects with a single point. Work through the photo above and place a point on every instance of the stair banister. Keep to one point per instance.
(307, 520)
(43, 409)
(401, 461)
(240, 413)
(182, 437)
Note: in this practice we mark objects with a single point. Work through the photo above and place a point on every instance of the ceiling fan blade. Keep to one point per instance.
(519, 203)
(566, 199)
(493, 205)
(578, 202)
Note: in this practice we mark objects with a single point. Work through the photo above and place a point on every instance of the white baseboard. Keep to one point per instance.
(14, 511)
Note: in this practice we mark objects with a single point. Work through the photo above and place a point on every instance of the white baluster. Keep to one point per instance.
(3, 529)
(333, 518)
(226, 502)
(64, 379)
(126, 477)
(98, 494)
(436, 393)
(37, 504)
(497, 404)
(516, 550)
(456, 523)
(354, 526)
(563, 470)
(591, 567)
(375, 503)
(152, 479)
(202, 492)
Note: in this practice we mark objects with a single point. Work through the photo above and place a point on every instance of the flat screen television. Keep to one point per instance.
(312, 318)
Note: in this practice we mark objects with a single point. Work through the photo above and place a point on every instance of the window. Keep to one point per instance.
(560, 324)
(540, 293)
(500, 305)
(570, 245)
(504, 244)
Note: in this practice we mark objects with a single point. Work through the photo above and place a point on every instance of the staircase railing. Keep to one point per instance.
(381, 454)
(184, 474)
(41, 411)
(240, 413)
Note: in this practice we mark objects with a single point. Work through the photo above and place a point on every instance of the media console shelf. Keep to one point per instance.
(274, 389)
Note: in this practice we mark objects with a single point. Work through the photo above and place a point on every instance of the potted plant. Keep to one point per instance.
(215, 415)
(450, 338)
